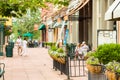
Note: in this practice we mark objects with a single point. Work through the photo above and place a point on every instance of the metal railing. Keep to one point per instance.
(72, 67)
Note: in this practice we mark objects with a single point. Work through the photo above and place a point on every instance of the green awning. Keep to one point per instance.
(41, 27)
(28, 34)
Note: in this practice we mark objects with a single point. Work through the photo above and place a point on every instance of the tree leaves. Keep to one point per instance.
(20, 6)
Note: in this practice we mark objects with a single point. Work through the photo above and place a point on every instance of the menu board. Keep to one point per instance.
(107, 36)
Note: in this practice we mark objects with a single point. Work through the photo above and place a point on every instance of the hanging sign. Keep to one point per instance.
(107, 36)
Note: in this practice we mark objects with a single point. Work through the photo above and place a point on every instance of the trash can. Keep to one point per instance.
(9, 51)
(42, 44)
(11, 44)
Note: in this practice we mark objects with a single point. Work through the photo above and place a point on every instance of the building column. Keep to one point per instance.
(118, 31)
(95, 22)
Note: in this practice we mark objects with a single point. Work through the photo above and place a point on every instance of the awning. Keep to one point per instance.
(28, 34)
(41, 27)
(116, 13)
(59, 25)
(81, 4)
(109, 15)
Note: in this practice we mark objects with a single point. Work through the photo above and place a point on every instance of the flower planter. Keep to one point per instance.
(112, 75)
(61, 60)
(94, 68)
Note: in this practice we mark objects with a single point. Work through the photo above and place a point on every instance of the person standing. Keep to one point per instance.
(78, 51)
(24, 51)
(84, 48)
(19, 45)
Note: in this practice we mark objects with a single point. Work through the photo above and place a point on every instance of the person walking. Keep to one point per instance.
(24, 51)
(19, 44)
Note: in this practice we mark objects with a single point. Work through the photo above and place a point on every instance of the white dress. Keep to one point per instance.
(84, 49)
(24, 52)
(19, 42)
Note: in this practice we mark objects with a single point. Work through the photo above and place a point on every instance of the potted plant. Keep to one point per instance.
(113, 70)
(93, 65)
(61, 55)
(52, 52)
(89, 54)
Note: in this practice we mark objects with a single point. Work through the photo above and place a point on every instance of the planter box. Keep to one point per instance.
(112, 75)
(94, 68)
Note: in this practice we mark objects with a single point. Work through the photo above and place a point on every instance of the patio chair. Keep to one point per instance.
(2, 71)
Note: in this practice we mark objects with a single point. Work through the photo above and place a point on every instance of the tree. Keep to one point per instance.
(18, 7)
(26, 23)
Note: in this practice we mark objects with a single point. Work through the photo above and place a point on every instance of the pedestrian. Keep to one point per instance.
(40, 44)
(78, 50)
(24, 51)
(84, 48)
(19, 44)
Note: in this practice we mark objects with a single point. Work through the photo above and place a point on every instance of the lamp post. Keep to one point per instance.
(1, 39)
(2, 35)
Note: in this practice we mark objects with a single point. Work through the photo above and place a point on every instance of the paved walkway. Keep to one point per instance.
(36, 66)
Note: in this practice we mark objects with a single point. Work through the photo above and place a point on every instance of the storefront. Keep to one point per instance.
(42, 28)
(59, 25)
(80, 17)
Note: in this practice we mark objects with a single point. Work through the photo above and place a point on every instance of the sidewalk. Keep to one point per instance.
(36, 66)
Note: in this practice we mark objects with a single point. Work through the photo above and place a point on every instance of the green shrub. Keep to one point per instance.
(92, 60)
(108, 52)
(60, 50)
(53, 48)
(90, 53)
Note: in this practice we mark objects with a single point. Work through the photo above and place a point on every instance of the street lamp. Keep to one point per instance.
(1, 39)
(2, 35)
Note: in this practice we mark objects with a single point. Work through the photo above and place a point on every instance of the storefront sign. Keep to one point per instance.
(107, 36)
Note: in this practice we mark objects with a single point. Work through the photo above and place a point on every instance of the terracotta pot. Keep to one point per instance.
(61, 60)
(110, 75)
(94, 68)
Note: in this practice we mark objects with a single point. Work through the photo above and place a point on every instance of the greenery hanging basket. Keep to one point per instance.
(113, 70)
(94, 68)
(93, 65)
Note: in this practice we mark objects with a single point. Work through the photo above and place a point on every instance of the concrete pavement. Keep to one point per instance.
(36, 66)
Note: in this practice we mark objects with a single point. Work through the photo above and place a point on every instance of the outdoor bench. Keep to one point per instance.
(2, 70)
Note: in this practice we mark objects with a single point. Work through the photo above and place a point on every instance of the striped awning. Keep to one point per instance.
(113, 11)
(80, 5)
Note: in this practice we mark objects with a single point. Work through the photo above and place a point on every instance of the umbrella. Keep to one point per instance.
(28, 34)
